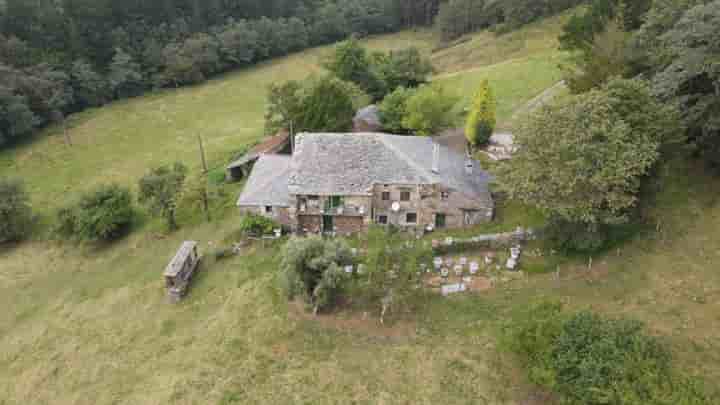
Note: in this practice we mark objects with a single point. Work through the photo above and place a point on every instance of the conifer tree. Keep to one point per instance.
(481, 121)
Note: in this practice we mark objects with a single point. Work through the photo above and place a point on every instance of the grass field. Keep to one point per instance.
(90, 325)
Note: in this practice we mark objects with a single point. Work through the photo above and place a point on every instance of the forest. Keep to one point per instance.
(60, 57)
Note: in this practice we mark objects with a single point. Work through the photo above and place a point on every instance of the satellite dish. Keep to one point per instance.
(395, 206)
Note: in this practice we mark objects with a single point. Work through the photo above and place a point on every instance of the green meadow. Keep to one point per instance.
(91, 324)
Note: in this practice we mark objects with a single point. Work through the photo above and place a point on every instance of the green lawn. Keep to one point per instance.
(90, 325)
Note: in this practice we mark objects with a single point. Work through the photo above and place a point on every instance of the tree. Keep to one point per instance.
(350, 62)
(429, 110)
(16, 118)
(313, 268)
(15, 211)
(481, 121)
(393, 110)
(91, 89)
(160, 190)
(102, 214)
(327, 107)
(393, 270)
(609, 55)
(401, 68)
(583, 162)
(688, 72)
(125, 77)
(284, 106)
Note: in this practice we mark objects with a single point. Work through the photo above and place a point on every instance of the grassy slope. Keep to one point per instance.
(91, 326)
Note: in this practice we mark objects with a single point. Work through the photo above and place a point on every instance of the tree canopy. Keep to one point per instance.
(582, 162)
(482, 119)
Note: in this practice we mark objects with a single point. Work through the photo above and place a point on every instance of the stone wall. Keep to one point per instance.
(309, 223)
(345, 225)
(427, 202)
(280, 215)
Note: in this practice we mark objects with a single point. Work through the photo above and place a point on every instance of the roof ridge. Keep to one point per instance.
(424, 172)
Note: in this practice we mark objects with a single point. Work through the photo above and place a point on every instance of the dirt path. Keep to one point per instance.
(540, 100)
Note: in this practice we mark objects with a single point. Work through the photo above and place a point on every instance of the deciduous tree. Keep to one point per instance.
(160, 189)
(582, 162)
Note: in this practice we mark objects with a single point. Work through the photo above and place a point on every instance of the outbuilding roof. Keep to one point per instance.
(268, 182)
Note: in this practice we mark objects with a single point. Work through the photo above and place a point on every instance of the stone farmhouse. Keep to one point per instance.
(343, 183)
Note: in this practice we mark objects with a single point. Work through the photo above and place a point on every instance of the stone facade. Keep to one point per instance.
(280, 215)
(421, 207)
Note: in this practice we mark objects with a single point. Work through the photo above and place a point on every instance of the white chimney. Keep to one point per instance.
(436, 158)
(469, 166)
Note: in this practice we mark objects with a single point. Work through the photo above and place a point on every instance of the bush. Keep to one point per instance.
(394, 108)
(257, 225)
(588, 359)
(429, 110)
(102, 214)
(393, 270)
(313, 268)
(15, 211)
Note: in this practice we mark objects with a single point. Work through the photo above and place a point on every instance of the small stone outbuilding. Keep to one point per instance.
(367, 119)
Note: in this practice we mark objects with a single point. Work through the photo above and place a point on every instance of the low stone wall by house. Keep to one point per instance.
(488, 241)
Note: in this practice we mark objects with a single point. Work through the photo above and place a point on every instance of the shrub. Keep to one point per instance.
(429, 110)
(393, 270)
(253, 224)
(394, 108)
(588, 359)
(15, 211)
(313, 268)
(102, 214)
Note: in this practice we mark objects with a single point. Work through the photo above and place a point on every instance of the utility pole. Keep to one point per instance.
(292, 138)
(204, 178)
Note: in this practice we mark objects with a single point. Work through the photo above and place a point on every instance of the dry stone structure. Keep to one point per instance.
(342, 183)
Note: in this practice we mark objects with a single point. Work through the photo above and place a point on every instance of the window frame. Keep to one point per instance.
(404, 194)
(385, 194)
(380, 218)
(415, 218)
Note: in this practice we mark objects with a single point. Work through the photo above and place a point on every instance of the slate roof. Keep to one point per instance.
(351, 164)
(271, 145)
(268, 182)
(369, 115)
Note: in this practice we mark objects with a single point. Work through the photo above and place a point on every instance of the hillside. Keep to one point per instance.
(89, 325)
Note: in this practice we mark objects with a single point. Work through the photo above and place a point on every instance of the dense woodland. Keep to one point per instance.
(60, 57)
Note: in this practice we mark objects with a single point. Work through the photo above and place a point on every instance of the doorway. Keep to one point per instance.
(440, 221)
(328, 223)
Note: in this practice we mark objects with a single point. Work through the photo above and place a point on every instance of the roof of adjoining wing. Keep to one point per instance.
(350, 164)
(268, 182)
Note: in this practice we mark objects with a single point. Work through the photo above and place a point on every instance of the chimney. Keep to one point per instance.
(436, 159)
(469, 166)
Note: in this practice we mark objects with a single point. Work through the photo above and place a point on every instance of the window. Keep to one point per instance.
(335, 201)
(440, 221)
(268, 209)
(444, 195)
(411, 218)
(405, 196)
(382, 219)
(386, 196)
